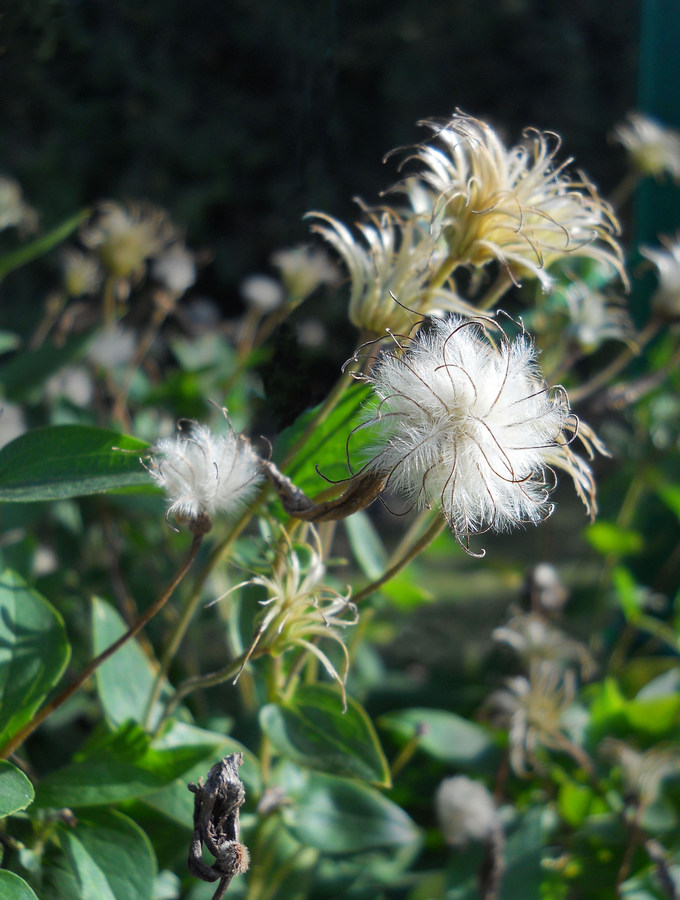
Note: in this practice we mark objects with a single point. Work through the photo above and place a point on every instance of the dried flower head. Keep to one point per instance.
(466, 811)
(596, 317)
(299, 608)
(652, 148)
(175, 269)
(642, 772)
(535, 641)
(14, 211)
(262, 293)
(304, 269)
(396, 262)
(532, 710)
(466, 420)
(517, 206)
(80, 272)
(125, 236)
(666, 298)
(544, 590)
(113, 346)
(204, 473)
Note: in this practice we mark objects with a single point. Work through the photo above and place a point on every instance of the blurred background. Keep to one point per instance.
(239, 117)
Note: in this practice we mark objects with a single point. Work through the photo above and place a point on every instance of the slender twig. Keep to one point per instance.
(432, 532)
(197, 682)
(94, 664)
(194, 599)
(618, 364)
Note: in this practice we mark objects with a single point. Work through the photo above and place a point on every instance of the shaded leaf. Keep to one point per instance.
(314, 731)
(33, 652)
(105, 857)
(125, 681)
(367, 546)
(339, 816)
(16, 791)
(119, 767)
(62, 461)
(41, 245)
(25, 373)
(444, 735)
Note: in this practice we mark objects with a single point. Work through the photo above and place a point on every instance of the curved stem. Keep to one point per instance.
(94, 664)
(432, 532)
(192, 603)
(618, 364)
(196, 682)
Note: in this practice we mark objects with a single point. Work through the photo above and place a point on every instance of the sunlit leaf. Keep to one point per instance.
(62, 461)
(106, 856)
(16, 791)
(14, 888)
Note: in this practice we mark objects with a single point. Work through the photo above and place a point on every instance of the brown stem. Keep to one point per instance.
(94, 664)
(493, 865)
(635, 836)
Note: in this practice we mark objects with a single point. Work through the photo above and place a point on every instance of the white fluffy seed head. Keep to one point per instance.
(204, 473)
(465, 810)
(464, 418)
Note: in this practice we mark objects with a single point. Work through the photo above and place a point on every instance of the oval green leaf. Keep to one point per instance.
(445, 736)
(313, 731)
(105, 857)
(62, 461)
(14, 888)
(339, 816)
(16, 791)
(33, 652)
(125, 681)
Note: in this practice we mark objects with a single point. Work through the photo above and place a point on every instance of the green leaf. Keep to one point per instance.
(574, 801)
(14, 888)
(313, 731)
(33, 652)
(105, 857)
(25, 373)
(41, 245)
(62, 461)
(326, 445)
(628, 593)
(523, 851)
(121, 766)
(9, 341)
(339, 816)
(367, 546)
(444, 735)
(16, 791)
(609, 538)
(125, 681)
(654, 715)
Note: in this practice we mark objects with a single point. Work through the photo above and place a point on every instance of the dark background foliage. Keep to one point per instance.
(239, 116)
